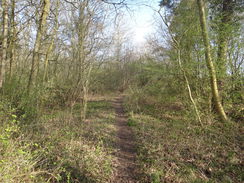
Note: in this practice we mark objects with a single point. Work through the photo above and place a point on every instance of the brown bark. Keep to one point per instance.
(35, 57)
(210, 65)
(85, 92)
(4, 41)
(50, 48)
(85, 66)
(13, 40)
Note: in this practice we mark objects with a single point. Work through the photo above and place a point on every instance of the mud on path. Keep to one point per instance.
(126, 171)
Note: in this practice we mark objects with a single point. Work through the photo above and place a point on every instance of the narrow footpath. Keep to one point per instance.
(126, 154)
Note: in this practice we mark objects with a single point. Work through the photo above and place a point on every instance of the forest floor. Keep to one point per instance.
(125, 142)
(118, 145)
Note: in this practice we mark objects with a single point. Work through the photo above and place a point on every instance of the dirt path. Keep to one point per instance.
(126, 168)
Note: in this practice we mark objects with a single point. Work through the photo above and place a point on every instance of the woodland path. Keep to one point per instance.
(125, 142)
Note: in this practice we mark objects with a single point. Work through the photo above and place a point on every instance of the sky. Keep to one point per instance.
(141, 20)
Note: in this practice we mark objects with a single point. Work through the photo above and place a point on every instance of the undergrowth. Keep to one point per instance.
(174, 147)
(57, 146)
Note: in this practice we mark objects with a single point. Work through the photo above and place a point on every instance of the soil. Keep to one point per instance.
(126, 147)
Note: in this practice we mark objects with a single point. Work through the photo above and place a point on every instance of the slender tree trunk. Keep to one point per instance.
(86, 91)
(177, 47)
(12, 41)
(84, 65)
(208, 57)
(50, 48)
(5, 5)
(189, 88)
(35, 57)
(46, 62)
(84, 102)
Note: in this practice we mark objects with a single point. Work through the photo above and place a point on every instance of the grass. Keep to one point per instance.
(171, 145)
(174, 147)
(59, 147)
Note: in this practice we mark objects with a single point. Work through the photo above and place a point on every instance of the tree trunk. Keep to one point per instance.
(4, 42)
(208, 57)
(50, 48)
(85, 84)
(188, 87)
(35, 57)
(13, 40)
(224, 34)
(46, 62)
(178, 49)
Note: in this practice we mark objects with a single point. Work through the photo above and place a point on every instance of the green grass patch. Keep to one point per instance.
(131, 122)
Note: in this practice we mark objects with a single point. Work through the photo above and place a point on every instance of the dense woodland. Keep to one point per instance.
(64, 62)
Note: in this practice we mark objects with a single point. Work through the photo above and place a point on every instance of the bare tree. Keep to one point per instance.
(5, 5)
(41, 27)
(13, 38)
(53, 38)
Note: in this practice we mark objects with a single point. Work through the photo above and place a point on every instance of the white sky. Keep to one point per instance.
(141, 22)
